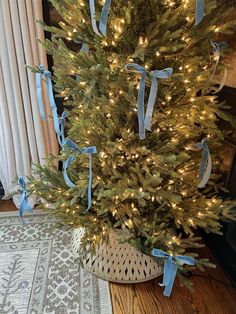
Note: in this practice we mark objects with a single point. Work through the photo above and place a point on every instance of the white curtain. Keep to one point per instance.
(24, 138)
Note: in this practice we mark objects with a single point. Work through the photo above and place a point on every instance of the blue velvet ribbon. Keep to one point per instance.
(24, 204)
(170, 268)
(145, 120)
(47, 76)
(217, 51)
(206, 163)
(85, 48)
(102, 29)
(61, 135)
(88, 151)
(199, 11)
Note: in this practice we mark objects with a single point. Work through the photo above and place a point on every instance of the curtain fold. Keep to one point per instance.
(24, 138)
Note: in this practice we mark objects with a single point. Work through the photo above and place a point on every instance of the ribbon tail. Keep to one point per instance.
(199, 11)
(215, 66)
(90, 184)
(203, 163)
(141, 107)
(61, 135)
(24, 206)
(151, 103)
(65, 174)
(93, 17)
(222, 84)
(53, 106)
(167, 272)
(39, 96)
(104, 17)
(207, 173)
(169, 286)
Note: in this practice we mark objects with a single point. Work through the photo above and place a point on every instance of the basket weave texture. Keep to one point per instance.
(117, 262)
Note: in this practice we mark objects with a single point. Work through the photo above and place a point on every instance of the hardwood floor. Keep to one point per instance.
(212, 293)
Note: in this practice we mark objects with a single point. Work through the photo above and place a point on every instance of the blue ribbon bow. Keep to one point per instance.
(170, 268)
(103, 19)
(145, 120)
(47, 76)
(89, 151)
(24, 204)
(206, 163)
(199, 11)
(217, 50)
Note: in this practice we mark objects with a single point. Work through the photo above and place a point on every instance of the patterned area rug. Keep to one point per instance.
(38, 274)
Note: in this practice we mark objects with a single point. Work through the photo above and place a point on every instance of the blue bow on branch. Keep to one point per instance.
(47, 76)
(199, 11)
(103, 19)
(145, 120)
(24, 204)
(170, 268)
(206, 163)
(88, 151)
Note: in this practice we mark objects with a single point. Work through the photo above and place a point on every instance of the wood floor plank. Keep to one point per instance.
(213, 294)
(7, 205)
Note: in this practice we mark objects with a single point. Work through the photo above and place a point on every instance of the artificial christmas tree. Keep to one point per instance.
(142, 120)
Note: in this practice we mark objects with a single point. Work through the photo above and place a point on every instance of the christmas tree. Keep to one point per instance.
(138, 88)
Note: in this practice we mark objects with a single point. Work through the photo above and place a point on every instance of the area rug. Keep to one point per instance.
(38, 273)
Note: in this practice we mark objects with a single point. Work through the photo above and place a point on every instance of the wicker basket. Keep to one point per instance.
(117, 262)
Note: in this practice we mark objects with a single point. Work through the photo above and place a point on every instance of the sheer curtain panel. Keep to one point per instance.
(24, 138)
